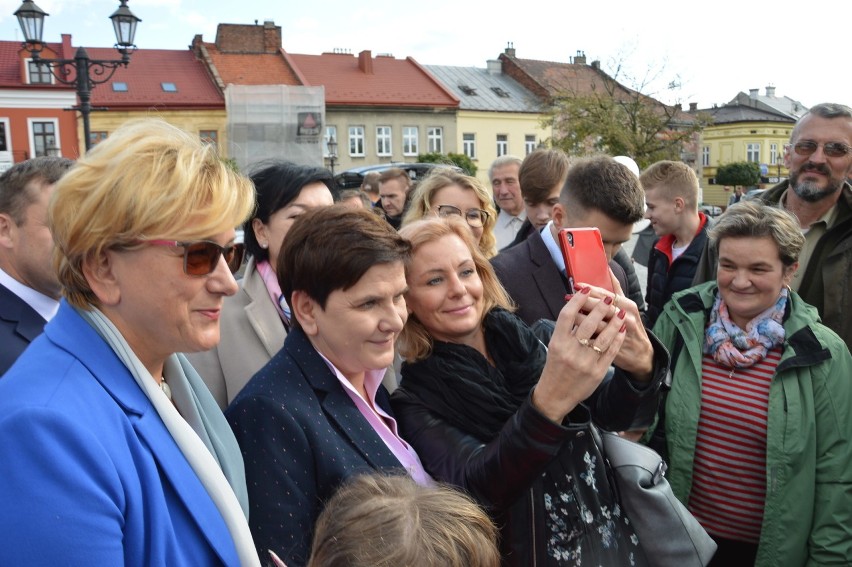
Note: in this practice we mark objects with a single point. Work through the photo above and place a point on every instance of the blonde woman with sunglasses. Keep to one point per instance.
(117, 454)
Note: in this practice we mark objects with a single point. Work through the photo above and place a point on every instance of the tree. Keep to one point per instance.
(596, 113)
(460, 160)
(743, 173)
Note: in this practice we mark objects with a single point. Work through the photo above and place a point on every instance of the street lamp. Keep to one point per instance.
(81, 71)
(332, 153)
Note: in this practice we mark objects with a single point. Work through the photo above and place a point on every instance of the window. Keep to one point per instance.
(383, 141)
(119, 87)
(500, 92)
(330, 132)
(39, 73)
(705, 156)
(209, 137)
(409, 141)
(356, 141)
(169, 87)
(44, 140)
(469, 144)
(502, 144)
(467, 90)
(435, 139)
(774, 156)
(4, 135)
(529, 144)
(97, 137)
(753, 153)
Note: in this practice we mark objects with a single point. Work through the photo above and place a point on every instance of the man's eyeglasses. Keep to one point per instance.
(475, 217)
(202, 256)
(831, 149)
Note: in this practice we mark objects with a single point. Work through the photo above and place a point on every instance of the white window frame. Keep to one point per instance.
(357, 141)
(31, 134)
(435, 139)
(529, 144)
(502, 145)
(753, 152)
(6, 157)
(705, 156)
(29, 80)
(774, 154)
(410, 140)
(330, 131)
(469, 145)
(384, 141)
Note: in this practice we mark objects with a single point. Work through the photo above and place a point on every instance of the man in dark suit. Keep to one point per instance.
(29, 288)
(598, 192)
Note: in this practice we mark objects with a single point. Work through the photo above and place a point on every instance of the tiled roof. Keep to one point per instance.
(144, 77)
(10, 65)
(732, 113)
(481, 89)
(392, 82)
(252, 68)
(559, 78)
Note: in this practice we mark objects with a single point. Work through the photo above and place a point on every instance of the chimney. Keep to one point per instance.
(580, 58)
(752, 93)
(596, 65)
(495, 67)
(365, 62)
(693, 106)
(510, 49)
(271, 37)
(770, 91)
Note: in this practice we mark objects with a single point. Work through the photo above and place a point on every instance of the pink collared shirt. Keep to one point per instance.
(381, 422)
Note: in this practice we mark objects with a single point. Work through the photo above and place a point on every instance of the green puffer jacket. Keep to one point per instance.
(808, 512)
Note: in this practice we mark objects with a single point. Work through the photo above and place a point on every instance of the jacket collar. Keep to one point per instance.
(28, 323)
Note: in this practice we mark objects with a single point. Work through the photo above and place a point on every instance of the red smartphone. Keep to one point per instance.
(585, 257)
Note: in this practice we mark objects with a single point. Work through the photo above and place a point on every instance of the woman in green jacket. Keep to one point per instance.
(757, 423)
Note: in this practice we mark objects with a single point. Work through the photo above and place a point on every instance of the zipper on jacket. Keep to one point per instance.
(533, 547)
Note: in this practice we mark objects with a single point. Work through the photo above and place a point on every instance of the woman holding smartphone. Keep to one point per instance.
(490, 409)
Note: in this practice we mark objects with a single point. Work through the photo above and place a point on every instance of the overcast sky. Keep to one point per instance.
(714, 49)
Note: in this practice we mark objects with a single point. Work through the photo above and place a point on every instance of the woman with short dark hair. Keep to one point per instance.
(317, 413)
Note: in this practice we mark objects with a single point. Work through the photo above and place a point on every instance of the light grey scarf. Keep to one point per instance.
(200, 431)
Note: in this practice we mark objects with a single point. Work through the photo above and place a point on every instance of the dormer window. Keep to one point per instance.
(169, 87)
(39, 73)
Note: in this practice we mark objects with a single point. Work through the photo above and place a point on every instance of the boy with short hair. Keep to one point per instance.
(671, 195)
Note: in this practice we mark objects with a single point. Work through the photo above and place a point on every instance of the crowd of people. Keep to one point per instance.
(406, 374)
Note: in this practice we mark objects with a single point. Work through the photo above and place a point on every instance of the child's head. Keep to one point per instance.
(671, 194)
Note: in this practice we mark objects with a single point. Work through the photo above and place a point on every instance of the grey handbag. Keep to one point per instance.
(668, 533)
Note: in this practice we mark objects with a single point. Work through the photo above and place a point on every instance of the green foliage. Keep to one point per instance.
(607, 117)
(460, 160)
(738, 173)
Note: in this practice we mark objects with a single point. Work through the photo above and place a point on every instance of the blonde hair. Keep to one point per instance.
(420, 205)
(148, 180)
(672, 179)
(415, 342)
(391, 521)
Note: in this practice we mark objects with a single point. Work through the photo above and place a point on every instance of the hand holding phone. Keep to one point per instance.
(585, 258)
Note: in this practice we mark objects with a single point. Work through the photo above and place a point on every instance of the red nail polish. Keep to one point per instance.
(586, 290)
(621, 314)
(623, 328)
(568, 296)
(608, 300)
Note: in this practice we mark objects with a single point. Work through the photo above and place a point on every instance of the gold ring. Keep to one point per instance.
(584, 342)
(597, 349)
(615, 302)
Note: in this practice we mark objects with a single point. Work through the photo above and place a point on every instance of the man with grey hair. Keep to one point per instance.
(503, 175)
(29, 287)
(819, 159)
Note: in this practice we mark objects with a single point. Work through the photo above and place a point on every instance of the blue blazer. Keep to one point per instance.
(90, 475)
(20, 324)
(301, 436)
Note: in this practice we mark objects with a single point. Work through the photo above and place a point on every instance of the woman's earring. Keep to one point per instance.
(264, 245)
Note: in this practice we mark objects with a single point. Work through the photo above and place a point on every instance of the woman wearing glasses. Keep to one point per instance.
(446, 193)
(255, 320)
(116, 453)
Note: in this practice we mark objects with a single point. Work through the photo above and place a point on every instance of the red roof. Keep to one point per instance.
(144, 77)
(11, 68)
(252, 68)
(373, 81)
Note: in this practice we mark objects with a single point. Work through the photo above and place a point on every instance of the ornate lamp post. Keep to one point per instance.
(332, 153)
(82, 72)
